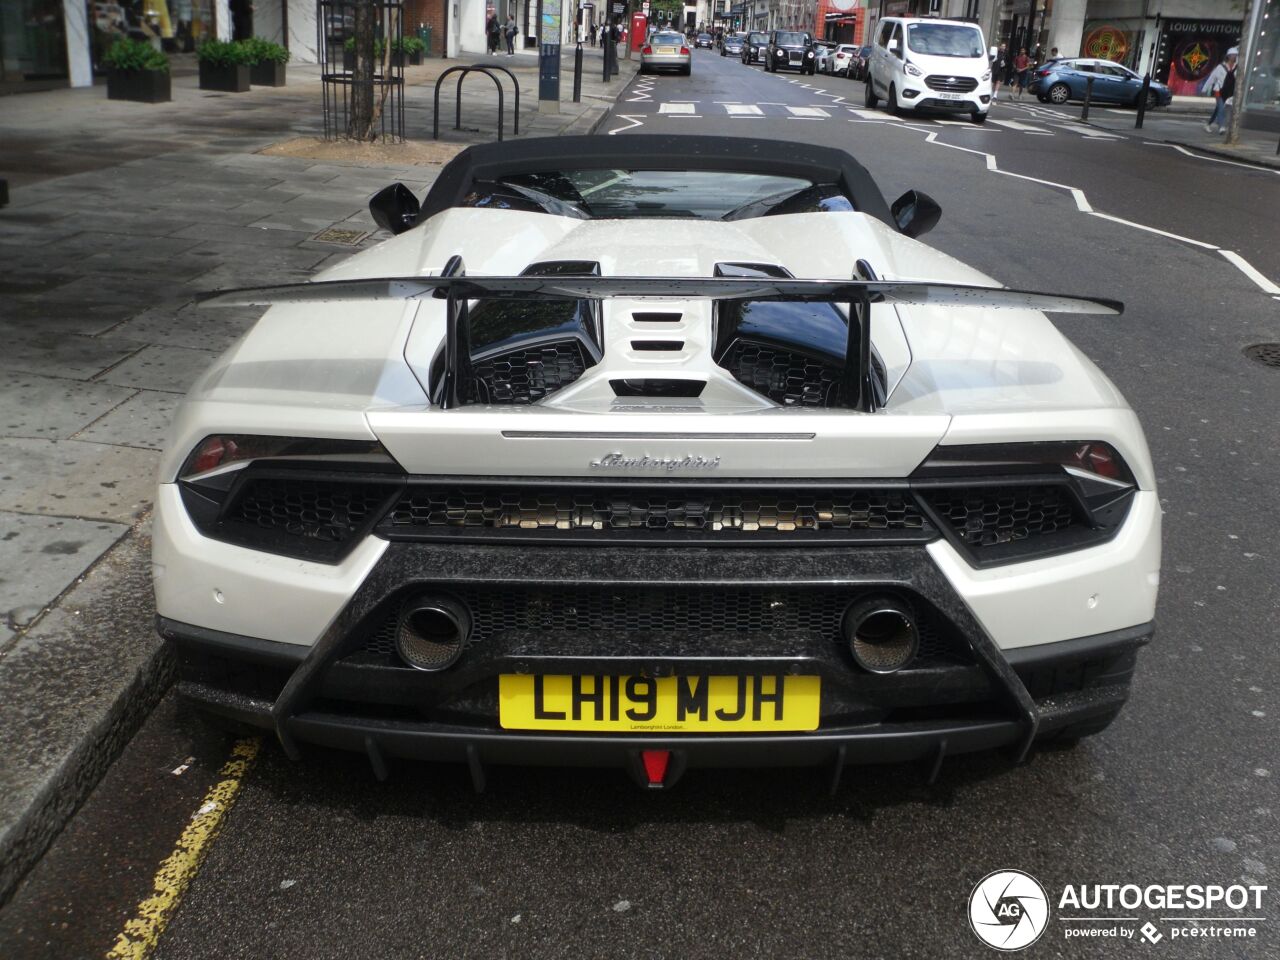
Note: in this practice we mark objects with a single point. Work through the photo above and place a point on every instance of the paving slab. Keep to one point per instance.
(75, 478)
(187, 326)
(141, 421)
(41, 556)
(50, 408)
(161, 368)
(53, 353)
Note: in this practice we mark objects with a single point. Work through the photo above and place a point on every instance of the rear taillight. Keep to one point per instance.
(223, 452)
(1042, 72)
(684, 51)
(646, 50)
(1088, 456)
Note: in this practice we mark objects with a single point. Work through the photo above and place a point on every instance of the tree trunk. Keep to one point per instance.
(366, 31)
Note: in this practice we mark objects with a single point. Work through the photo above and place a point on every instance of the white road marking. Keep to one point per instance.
(1248, 269)
(636, 121)
(875, 115)
(1083, 205)
(1162, 233)
(1200, 156)
(675, 108)
(808, 112)
(1014, 125)
(743, 110)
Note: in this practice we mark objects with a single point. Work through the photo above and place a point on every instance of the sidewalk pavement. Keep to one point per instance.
(119, 214)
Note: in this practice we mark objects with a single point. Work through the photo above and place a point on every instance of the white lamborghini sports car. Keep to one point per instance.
(656, 453)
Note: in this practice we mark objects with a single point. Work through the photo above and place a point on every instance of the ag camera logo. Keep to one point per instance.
(1008, 910)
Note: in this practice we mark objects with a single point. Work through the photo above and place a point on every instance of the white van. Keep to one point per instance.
(928, 64)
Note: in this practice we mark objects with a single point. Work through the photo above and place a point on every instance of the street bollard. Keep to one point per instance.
(1142, 101)
(604, 56)
(577, 74)
(1088, 94)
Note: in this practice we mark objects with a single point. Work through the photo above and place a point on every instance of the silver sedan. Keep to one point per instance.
(666, 51)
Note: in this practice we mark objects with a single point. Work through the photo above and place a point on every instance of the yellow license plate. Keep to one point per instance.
(663, 705)
(668, 50)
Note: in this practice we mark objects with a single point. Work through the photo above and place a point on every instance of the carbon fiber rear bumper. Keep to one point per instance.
(996, 700)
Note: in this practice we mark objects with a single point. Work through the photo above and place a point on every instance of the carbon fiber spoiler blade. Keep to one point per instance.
(912, 292)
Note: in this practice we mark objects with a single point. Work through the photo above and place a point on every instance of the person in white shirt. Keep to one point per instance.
(1213, 86)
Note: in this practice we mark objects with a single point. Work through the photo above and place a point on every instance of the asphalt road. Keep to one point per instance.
(317, 860)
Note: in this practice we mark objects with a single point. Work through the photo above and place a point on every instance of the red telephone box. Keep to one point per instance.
(639, 30)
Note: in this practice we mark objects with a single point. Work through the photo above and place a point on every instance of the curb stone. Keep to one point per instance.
(74, 690)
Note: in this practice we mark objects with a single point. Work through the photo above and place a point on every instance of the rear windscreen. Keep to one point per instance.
(611, 194)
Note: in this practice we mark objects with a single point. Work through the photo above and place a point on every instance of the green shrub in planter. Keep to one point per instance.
(349, 52)
(407, 50)
(138, 71)
(223, 66)
(267, 62)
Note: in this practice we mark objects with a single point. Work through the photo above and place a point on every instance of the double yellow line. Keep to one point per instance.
(142, 932)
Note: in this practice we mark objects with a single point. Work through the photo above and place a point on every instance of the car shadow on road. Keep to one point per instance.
(608, 801)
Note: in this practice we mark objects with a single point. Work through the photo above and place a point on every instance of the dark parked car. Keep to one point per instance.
(790, 50)
(1060, 81)
(858, 63)
(754, 49)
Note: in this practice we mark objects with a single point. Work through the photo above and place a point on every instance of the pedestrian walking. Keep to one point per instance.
(999, 67)
(509, 31)
(1217, 87)
(593, 35)
(1021, 68)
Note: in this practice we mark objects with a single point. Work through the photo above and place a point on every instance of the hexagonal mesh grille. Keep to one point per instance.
(727, 512)
(790, 379)
(526, 375)
(985, 516)
(316, 509)
(593, 613)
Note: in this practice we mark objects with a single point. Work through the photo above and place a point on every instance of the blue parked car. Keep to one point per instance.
(1059, 81)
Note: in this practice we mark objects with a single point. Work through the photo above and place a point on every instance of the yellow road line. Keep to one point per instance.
(142, 932)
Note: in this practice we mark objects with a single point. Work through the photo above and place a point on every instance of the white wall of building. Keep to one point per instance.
(76, 18)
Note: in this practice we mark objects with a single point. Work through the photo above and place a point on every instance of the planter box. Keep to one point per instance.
(144, 86)
(267, 74)
(233, 79)
(412, 60)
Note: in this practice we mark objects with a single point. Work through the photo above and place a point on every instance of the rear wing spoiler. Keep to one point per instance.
(458, 289)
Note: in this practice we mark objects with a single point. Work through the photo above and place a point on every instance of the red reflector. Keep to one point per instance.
(655, 764)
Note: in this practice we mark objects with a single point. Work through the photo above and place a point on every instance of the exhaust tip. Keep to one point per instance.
(431, 633)
(882, 635)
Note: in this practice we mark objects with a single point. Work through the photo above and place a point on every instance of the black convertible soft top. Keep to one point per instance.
(493, 161)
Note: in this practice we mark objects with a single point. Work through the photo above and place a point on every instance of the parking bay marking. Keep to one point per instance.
(142, 932)
(743, 110)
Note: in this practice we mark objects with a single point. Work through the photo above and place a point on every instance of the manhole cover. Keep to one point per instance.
(348, 238)
(1267, 354)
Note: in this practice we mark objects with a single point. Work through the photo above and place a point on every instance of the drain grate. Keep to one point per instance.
(338, 235)
(1267, 354)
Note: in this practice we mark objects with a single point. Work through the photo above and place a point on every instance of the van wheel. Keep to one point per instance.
(978, 117)
(870, 98)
